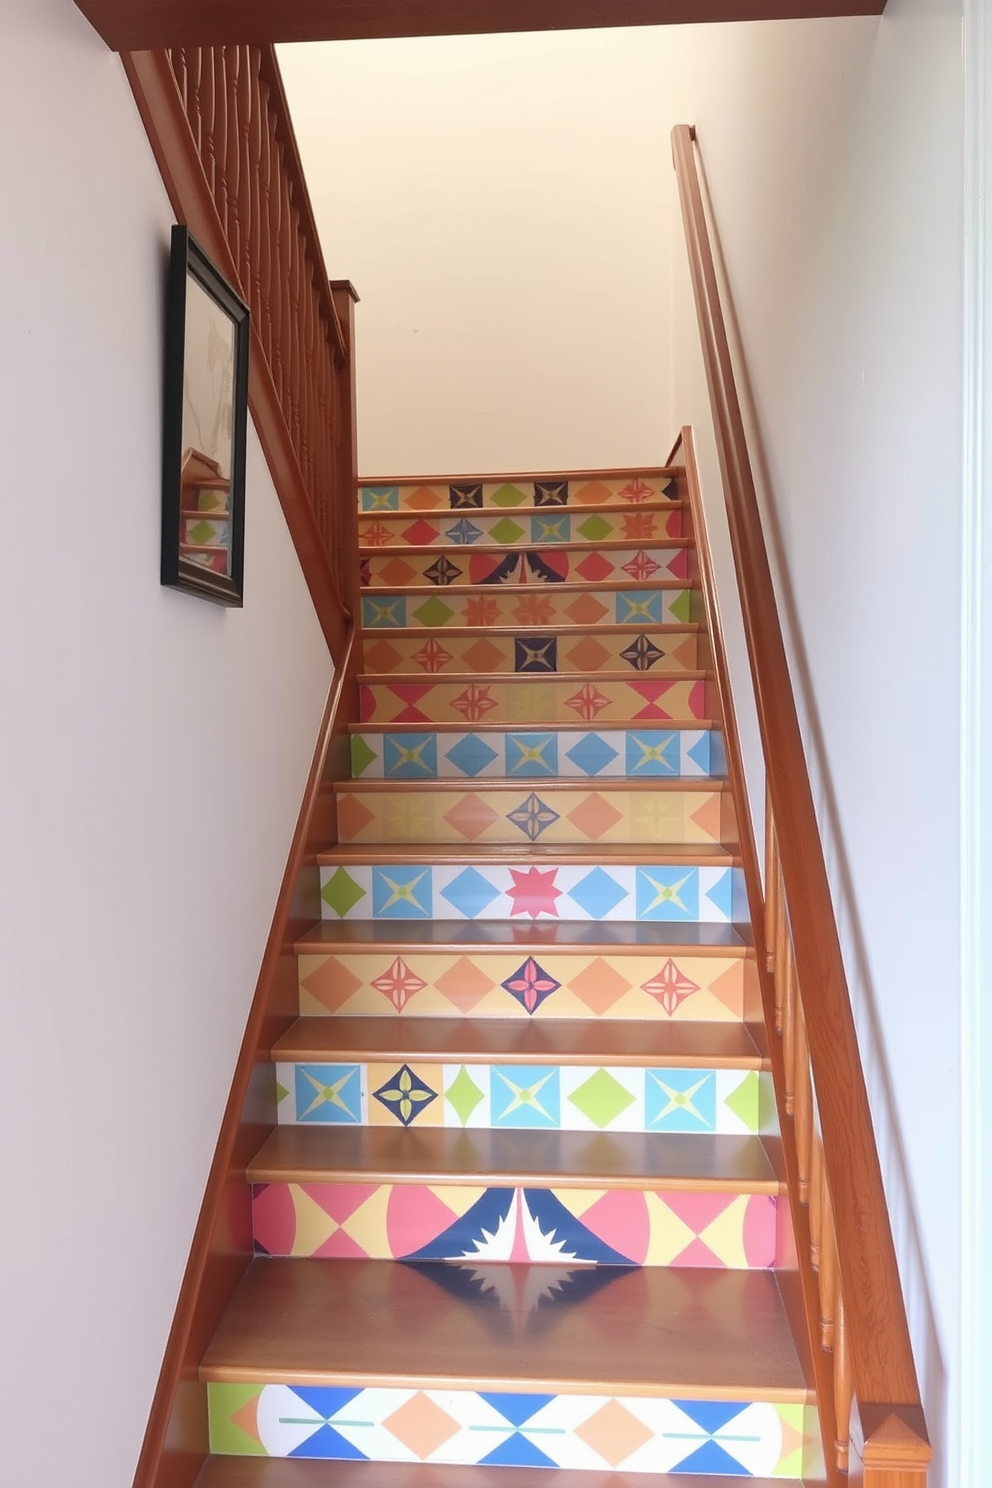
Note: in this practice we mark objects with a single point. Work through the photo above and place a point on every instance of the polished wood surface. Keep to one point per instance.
(497, 852)
(512, 1159)
(587, 937)
(556, 1040)
(877, 1344)
(176, 1441)
(220, 130)
(132, 24)
(273, 1472)
(604, 1330)
(664, 786)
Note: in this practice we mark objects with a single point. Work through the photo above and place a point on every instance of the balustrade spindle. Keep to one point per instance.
(815, 1201)
(785, 960)
(842, 1388)
(232, 156)
(828, 1267)
(246, 94)
(219, 139)
(803, 1106)
(772, 887)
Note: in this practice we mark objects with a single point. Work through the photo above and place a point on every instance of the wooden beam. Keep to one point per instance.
(137, 25)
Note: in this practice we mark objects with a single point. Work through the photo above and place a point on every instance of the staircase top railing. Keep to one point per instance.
(888, 1430)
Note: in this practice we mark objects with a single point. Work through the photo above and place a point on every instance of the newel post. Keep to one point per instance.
(344, 513)
(889, 1446)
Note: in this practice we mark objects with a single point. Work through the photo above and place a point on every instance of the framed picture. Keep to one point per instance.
(206, 422)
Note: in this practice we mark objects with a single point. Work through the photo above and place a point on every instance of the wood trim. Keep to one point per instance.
(487, 477)
(883, 1369)
(176, 1441)
(162, 113)
(132, 24)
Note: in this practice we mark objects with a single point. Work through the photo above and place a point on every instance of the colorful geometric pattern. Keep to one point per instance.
(637, 651)
(614, 754)
(513, 495)
(664, 985)
(552, 1097)
(550, 699)
(501, 891)
(566, 605)
(205, 531)
(524, 528)
(635, 1434)
(415, 569)
(542, 1226)
(408, 814)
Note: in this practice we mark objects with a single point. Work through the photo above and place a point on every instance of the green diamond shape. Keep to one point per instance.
(681, 606)
(506, 531)
(745, 1101)
(594, 529)
(223, 1402)
(507, 495)
(362, 754)
(433, 612)
(201, 532)
(341, 892)
(601, 1098)
(463, 1095)
(281, 1093)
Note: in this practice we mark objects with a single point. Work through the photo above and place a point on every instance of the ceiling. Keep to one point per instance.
(136, 25)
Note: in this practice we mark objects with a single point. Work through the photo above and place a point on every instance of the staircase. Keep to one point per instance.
(525, 1208)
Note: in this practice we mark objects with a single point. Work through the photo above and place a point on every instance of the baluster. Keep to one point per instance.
(296, 346)
(256, 240)
(285, 300)
(267, 226)
(177, 61)
(232, 154)
(208, 110)
(828, 1266)
(195, 63)
(306, 367)
(842, 1388)
(277, 279)
(803, 1109)
(815, 1201)
(245, 173)
(772, 869)
(220, 133)
(786, 963)
(779, 951)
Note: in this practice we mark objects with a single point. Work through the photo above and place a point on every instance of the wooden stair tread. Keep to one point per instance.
(586, 937)
(703, 853)
(558, 1041)
(447, 785)
(604, 1330)
(458, 679)
(514, 1158)
(500, 477)
(374, 591)
(621, 726)
(644, 627)
(525, 544)
(288, 1472)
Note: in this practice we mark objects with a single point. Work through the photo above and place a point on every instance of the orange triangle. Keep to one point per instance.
(707, 816)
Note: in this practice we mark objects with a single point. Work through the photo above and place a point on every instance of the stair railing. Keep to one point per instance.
(855, 1305)
(219, 125)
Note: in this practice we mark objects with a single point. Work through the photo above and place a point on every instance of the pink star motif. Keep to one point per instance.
(399, 984)
(474, 702)
(533, 892)
(636, 490)
(670, 987)
(587, 702)
(641, 566)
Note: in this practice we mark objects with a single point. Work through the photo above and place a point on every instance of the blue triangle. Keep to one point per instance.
(328, 1443)
(517, 1451)
(712, 1459)
(699, 752)
(326, 1400)
(711, 1414)
(516, 1408)
(721, 894)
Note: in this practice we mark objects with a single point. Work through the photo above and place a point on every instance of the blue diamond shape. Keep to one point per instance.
(597, 894)
(470, 893)
(652, 752)
(410, 756)
(532, 754)
(464, 532)
(592, 754)
(471, 755)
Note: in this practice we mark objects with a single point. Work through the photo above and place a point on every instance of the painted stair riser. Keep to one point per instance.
(402, 813)
(497, 1225)
(524, 700)
(529, 982)
(531, 1097)
(502, 494)
(202, 530)
(547, 525)
(634, 1434)
(604, 754)
(531, 653)
(539, 605)
(489, 891)
(455, 567)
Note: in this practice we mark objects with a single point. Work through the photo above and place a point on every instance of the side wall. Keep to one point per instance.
(155, 749)
(833, 153)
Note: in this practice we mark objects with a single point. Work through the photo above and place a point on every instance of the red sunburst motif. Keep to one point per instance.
(399, 984)
(636, 490)
(587, 702)
(432, 656)
(474, 703)
(670, 987)
(641, 567)
(482, 611)
(375, 535)
(637, 525)
(533, 892)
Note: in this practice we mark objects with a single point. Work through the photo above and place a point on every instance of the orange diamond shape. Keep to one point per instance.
(586, 610)
(381, 656)
(397, 571)
(594, 816)
(464, 984)
(470, 816)
(331, 983)
(353, 817)
(421, 1425)
(423, 498)
(588, 655)
(484, 656)
(599, 986)
(614, 1432)
(593, 494)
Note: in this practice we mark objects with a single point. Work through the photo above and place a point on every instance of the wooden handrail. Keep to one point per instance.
(219, 125)
(876, 1398)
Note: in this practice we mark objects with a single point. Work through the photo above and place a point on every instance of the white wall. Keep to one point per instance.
(501, 204)
(154, 751)
(833, 153)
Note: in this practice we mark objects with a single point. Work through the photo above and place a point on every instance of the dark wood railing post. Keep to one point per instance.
(345, 515)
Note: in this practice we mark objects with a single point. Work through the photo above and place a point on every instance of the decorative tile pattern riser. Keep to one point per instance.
(618, 1227)
(637, 1434)
(531, 652)
(606, 754)
(661, 986)
(540, 605)
(455, 567)
(519, 700)
(508, 495)
(547, 525)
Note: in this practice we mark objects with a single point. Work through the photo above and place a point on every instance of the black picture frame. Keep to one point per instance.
(205, 428)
